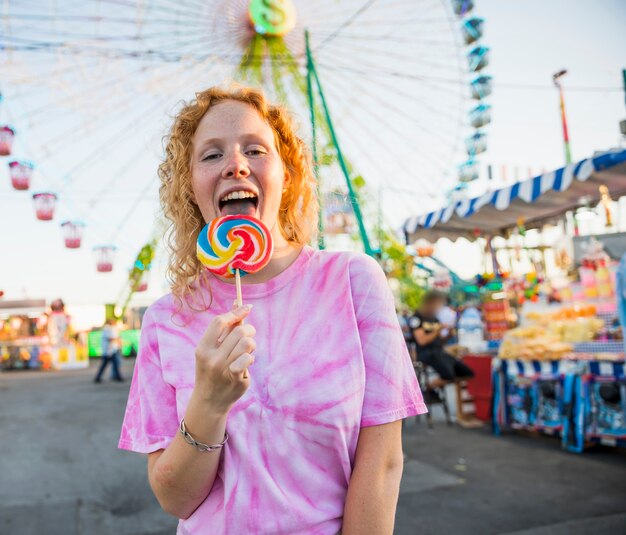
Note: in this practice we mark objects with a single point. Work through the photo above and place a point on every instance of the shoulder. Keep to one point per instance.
(161, 311)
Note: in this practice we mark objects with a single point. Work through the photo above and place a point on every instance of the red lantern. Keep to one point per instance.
(21, 172)
(7, 134)
(72, 233)
(45, 203)
(104, 258)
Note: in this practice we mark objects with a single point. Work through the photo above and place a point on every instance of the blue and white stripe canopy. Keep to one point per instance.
(536, 200)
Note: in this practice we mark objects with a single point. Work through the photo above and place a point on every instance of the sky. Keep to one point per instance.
(529, 41)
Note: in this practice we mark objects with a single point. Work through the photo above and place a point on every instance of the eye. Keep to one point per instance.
(211, 156)
(256, 151)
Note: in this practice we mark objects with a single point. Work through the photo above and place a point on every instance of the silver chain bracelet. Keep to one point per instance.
(199, 445)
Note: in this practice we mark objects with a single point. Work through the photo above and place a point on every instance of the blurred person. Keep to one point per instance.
(290, 422)
(430, 335)
(447, 316)
(111, 351)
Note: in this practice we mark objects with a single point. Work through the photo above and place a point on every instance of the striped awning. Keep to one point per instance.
(536, 200)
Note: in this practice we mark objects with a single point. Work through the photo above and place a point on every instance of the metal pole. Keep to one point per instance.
(351, 193)
(316, 169)
(555, 78)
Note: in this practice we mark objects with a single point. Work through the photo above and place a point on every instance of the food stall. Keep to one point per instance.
(561, 377)
(34, 336)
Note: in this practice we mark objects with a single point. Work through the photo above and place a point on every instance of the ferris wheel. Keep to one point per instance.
(88, 89)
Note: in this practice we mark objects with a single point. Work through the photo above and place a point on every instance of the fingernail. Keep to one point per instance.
(246, 308)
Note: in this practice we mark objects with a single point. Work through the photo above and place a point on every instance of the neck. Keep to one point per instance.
(283, 256)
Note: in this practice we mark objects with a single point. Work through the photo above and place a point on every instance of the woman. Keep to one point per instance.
(302, 403)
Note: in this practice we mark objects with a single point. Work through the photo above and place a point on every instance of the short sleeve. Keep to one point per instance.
(391, 388)
(150, 421)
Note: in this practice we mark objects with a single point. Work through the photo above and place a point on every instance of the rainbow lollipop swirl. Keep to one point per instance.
(234, 242)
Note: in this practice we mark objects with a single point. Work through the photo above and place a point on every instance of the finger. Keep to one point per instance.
(227, 330)
(232, 318)
(240, 365)
(244, 345)
(223, 322)
(237, 333)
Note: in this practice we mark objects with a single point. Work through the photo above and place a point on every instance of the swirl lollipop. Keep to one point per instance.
(233, 246)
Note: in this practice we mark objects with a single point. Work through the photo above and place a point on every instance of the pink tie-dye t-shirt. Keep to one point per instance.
(330, 359)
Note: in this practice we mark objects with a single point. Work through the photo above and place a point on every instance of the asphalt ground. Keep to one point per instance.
(62, 474)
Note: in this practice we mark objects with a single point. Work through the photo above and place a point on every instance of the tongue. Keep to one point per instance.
(239, 207)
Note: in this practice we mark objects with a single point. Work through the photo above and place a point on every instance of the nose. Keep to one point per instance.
(236, 167)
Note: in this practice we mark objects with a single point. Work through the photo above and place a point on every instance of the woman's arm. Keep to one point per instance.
(181, 476)
(375, 483)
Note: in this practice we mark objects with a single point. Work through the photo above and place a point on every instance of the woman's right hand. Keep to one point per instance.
(222, 359)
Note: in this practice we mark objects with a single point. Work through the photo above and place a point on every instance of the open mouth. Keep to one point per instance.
(241, 202)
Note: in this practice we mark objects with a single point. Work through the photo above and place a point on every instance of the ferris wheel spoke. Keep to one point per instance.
(191, 5)
(408, 58)
(403, 117)
(365, 126)
(329, 13)
(392, 37)
(131, 211)
(93, 89)
(129, 127)
(346, 23)
(442, 84)
(86, 18)
(437, 161)
(427, 22)
(162, 10)
(27, 81)
(194, 46)
(323, 18)
(131, 37)
(411, 95)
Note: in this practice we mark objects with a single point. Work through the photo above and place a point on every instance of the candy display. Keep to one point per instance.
(497, 315)
(533, 343)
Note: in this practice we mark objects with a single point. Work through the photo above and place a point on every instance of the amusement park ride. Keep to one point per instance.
(383, 70)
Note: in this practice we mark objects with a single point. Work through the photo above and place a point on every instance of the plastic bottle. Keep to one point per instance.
(471, 330)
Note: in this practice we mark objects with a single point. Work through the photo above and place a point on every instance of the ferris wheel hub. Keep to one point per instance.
(274, 18)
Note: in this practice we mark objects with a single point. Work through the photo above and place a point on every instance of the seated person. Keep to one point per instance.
(430, 335)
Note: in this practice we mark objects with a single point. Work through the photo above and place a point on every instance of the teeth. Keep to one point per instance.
(238, 195)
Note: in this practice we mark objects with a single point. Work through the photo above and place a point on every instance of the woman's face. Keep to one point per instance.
(235, 167)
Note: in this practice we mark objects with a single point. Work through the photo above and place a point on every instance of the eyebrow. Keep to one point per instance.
(216, 140)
